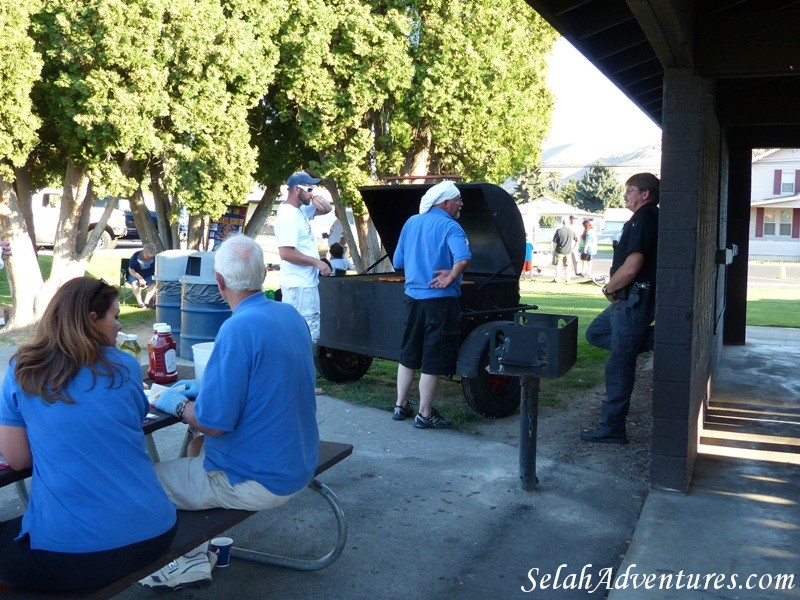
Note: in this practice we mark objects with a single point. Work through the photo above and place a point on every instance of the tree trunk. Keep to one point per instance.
(261, 213)
(170, 237)
(22, 268)
(372, 249)
(68, 261)
(22, 186)
(420, 161)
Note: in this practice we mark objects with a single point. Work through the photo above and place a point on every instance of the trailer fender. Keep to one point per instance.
(476, 344)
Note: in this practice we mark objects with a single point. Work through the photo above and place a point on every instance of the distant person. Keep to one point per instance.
(565, 241)
(75, 403)
(588, 247)
(625, 327)
(141, 270)
(575, 255)
(301, 264)
(338, 261)
(434, 253)
(5, 252)
(527, 266)
(255, 406)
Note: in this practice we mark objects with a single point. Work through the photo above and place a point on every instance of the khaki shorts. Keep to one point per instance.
(190, 487)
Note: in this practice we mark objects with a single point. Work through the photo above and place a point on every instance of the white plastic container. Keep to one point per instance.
(201, 353)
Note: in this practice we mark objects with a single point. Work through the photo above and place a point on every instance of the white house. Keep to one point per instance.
(533, 211)
(775, 205)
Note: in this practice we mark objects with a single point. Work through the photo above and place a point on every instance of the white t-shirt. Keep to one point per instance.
(293, 228)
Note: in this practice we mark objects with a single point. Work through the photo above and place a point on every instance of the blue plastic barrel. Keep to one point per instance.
(170, 267)
(203, 311)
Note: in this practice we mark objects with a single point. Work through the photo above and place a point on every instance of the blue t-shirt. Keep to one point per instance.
(145, 268)
(93, 486)
(528, 250)
(428, 243)
(258, 387)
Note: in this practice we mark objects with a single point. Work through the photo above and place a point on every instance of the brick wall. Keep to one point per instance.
(688, 286)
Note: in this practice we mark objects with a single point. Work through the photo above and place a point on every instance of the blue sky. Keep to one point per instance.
(590, 111)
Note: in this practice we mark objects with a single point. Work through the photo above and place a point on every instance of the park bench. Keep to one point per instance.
(196, 527)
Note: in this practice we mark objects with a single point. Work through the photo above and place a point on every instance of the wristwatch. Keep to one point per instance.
(181, 406)
(605, 291)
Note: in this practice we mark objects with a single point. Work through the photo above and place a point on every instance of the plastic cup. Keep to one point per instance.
(201, 353)
(221, 546)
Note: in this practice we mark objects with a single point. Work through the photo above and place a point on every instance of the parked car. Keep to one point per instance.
(133, 232)
(46, 207)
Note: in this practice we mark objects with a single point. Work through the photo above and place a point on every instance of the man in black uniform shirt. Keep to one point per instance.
(625, 327)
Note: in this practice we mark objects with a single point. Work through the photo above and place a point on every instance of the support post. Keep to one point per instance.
(528, 424)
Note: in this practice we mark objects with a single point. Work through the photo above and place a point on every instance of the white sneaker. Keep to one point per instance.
(190, 570)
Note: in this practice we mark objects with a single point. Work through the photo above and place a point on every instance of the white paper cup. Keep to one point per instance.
(201, 353)
(221, 546)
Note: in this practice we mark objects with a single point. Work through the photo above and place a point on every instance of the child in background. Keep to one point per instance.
(338, 261)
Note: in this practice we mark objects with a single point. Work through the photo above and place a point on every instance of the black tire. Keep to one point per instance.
(341, 366)
(106, 242)
(491, 395)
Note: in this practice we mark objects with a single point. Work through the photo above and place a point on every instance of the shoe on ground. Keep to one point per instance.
(604, 435)
(401, 412)
(434, 421)
(141, 305)
(319, 391)
(190, 570)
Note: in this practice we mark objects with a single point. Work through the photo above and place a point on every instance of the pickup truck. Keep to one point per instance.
(46, 205)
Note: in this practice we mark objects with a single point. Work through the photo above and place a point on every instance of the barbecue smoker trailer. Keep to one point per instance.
(363, 316)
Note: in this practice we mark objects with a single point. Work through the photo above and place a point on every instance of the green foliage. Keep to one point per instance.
(331, 84)
(102, 86)
(220, 58)
(597, 190)
(479, 98)
(547, 221)
(19, 68)
(531, 185)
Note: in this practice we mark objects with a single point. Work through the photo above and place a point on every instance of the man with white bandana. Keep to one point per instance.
(434, 253)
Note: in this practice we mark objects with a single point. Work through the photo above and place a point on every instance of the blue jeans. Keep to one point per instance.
(625, 329)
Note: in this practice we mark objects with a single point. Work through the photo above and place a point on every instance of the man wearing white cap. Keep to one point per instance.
(297, 246)
(434, 253)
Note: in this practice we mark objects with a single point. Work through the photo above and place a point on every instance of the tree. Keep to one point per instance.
(479, 104)
(331, 83)
(531, 185)
(466, 93)
(597, 190)
(20, 65)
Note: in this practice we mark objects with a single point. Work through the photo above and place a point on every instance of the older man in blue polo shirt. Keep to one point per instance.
(434, 253)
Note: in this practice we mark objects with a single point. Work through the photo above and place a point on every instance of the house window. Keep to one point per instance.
(778, 222)
(787, 182)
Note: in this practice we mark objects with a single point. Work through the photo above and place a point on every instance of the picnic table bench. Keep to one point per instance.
(196, 527)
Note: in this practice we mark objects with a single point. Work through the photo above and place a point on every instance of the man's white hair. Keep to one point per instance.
(240, 261)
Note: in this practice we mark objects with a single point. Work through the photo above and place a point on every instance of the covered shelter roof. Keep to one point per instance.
(750, 48)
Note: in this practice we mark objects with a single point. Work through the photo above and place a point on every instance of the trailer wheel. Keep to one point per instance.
(341, 366)
(491, 395)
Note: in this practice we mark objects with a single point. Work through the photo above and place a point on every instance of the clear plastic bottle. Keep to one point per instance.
(130, 343)
(162, 355)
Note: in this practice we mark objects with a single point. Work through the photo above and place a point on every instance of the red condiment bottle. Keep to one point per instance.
(162, 356)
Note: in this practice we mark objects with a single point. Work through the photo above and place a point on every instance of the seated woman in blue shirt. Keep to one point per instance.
(72, 403)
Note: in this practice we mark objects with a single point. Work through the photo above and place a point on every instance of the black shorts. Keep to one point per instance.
(431, 337)
(586, 257)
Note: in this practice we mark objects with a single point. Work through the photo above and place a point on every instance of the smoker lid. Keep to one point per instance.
(489, 216)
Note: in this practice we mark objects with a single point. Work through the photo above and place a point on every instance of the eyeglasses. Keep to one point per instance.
(632, 190)
(307, 189)
(458, 200)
